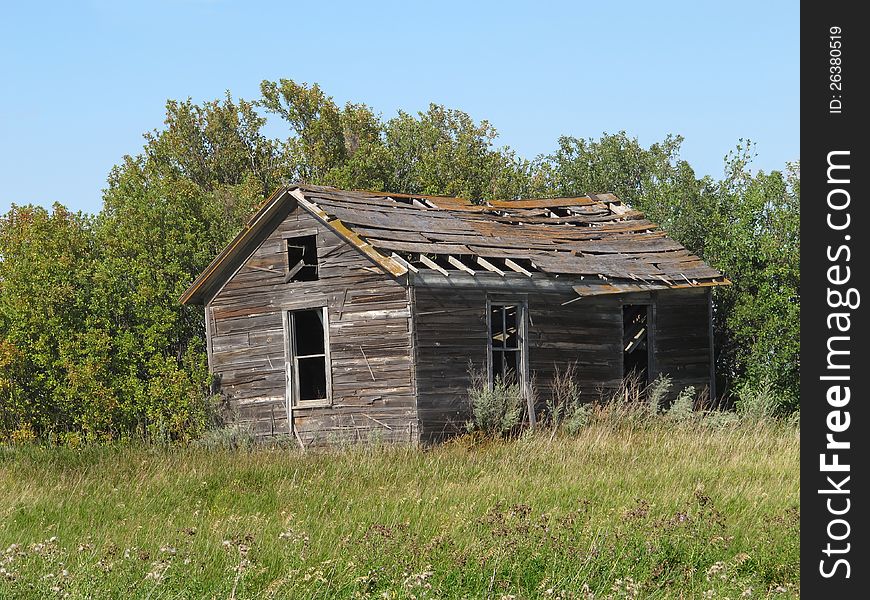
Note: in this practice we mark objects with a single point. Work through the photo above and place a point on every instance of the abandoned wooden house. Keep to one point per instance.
(340, 316)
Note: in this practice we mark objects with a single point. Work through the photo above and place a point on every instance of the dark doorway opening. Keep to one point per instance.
(635, 346)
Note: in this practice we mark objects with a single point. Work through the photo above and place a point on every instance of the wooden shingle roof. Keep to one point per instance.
(610, 246)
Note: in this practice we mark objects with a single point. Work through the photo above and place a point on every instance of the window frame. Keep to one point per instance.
(522, 338)
(291, 360)
(287, 238)
(523, 321)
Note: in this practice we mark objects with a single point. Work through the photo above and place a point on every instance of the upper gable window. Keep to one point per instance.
(302, 258)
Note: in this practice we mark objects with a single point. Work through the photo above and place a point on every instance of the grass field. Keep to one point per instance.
(654, 511)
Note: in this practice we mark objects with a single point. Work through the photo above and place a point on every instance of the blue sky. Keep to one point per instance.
(81, 81)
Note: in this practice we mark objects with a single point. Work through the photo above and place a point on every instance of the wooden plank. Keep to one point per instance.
(489, 266)
(427, 248)
(433, 265)
(512, 265)
(404, 262)
(459, 264)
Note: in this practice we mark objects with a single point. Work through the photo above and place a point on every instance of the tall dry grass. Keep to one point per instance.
(619, 510)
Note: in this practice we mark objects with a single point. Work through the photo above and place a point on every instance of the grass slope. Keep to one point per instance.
(658, 511)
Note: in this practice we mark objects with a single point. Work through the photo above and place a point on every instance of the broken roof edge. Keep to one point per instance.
(605, 198)
(197, 292)
(194, 294)
(390, 266)
(584, 290)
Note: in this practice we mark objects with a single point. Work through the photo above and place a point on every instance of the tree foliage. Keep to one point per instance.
(94, 342)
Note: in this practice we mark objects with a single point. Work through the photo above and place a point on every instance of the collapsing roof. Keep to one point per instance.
(596, 238)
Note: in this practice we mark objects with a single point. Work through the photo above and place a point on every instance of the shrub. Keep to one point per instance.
(578, 418)
(656, 393)
(233, 437)
(23, 435)
(758, 402)
(635, 402)
(683, 407)
(496, 409)
(719, 419)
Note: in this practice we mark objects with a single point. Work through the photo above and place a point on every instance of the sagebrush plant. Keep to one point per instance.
(577, 418)
(496, 409)
(656, 393)
(565, 407)
(227, 437)
(683, 408)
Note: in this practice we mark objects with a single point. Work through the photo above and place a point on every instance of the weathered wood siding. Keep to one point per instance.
(586, 333)
(369, 334)
(682, 346)
(451, 332)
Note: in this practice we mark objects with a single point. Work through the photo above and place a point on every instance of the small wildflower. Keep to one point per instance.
(158, 571)
(420, 579)
(715, 569)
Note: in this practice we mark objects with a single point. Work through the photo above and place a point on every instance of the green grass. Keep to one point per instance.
(654, 511)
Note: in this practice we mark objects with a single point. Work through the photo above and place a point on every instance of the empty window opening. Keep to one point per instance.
(308, 355)
(302, 258)
(635, 347)
(505, 322)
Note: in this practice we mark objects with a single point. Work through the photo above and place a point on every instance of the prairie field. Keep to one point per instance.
(655, 510)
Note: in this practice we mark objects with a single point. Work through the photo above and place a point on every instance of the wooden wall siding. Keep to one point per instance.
(451, 330)
(682, 339)
(587, 332)
(370, 342)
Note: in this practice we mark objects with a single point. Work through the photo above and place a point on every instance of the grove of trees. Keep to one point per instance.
(94, 344)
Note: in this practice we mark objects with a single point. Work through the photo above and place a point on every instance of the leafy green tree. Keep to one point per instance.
(445, 152)
(654, 180)
(755, 240)
(440, 151)
(45, 262)
(218, 143)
